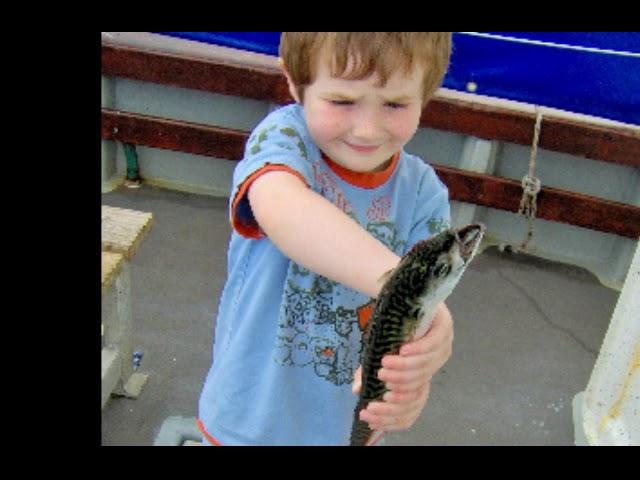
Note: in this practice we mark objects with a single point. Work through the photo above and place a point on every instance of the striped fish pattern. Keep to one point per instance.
(405, 307)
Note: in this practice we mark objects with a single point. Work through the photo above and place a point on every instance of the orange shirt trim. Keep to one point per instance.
(206, 434)
(252, 230)
(363, 179)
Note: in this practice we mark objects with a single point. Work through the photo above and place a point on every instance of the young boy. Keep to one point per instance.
(324, 202)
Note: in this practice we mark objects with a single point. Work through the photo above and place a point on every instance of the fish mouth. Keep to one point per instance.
(469, 238)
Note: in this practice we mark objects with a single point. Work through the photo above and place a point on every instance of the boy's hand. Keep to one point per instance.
(408, 376)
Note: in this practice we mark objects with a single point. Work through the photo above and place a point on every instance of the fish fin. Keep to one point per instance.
(386, 276)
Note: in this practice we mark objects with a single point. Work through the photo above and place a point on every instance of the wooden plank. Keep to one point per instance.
(111, 265)
(196, 73)
(553, 204)
(481, 189)
(123, 229)
(173, 135)
(610, 144)
(605, 143)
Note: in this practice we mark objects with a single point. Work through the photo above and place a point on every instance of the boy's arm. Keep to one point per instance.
(314, 233)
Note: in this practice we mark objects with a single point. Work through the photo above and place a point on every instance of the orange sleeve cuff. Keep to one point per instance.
(246, 227)
(206, 434)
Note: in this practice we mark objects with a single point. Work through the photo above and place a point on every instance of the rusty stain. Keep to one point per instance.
(616, 408)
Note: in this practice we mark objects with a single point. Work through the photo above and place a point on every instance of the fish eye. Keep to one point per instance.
(442, 269)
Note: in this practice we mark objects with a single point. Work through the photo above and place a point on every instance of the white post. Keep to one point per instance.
(610, 406)
(478, 155)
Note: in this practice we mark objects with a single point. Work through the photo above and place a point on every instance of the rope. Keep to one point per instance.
(530, 188)
(531, 183)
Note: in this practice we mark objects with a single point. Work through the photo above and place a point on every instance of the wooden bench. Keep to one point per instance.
(122, 232)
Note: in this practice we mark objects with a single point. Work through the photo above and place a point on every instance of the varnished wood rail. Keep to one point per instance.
(481, 189)
(552, 203)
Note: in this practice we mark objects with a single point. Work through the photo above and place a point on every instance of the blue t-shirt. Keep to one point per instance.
(287, 341)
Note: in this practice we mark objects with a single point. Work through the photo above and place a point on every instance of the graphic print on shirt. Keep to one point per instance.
(387, 234)
(313, 332)
(379, 209)
(319, 325)
(261, 136)
(326, 185)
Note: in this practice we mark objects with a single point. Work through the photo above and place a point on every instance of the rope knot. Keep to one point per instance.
(528, 202)
(530, 185)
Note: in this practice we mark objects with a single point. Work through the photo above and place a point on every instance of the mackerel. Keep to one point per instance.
(411, 292)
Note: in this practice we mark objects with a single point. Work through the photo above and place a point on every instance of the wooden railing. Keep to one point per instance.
(606, 143)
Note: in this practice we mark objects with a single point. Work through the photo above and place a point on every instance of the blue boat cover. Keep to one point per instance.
(594, 73)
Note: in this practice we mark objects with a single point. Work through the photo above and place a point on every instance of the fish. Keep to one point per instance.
(405, 307)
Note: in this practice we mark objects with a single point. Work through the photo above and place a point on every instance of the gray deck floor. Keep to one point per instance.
(527, 333)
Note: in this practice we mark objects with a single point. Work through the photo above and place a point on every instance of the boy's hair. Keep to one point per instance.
(373, 52)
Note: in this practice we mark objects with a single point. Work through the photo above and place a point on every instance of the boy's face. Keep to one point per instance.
(358, 124)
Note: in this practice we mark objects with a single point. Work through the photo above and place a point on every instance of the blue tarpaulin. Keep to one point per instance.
(594, 73)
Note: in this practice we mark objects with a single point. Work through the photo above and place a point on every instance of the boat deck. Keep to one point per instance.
(527, 334)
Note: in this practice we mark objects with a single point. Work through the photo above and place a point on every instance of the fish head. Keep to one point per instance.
(468, 240)
(437, 263)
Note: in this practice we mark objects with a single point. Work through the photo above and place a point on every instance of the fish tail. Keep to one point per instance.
(360, 432)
